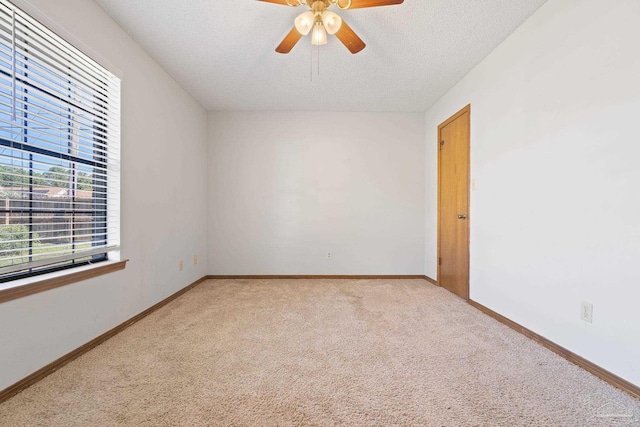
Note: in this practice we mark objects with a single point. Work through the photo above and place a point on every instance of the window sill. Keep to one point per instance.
(33, 285)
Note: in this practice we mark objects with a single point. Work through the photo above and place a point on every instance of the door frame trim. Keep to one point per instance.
(465, 109)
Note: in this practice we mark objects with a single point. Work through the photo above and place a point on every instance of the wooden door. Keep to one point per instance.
(453, 203)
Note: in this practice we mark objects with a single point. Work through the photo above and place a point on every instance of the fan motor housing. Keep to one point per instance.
(318, 6)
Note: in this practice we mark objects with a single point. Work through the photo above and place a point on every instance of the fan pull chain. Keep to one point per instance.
(311, 62)
(311, 65)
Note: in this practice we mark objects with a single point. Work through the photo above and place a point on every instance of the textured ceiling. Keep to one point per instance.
(222, 51)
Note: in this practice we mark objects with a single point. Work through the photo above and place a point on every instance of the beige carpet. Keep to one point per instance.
(320, 352)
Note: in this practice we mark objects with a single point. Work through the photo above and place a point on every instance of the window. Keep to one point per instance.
(59, 151)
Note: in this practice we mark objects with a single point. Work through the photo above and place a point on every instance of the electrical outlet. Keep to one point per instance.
(195, 259)
(586, 312)
(180, 265)
(330, 256)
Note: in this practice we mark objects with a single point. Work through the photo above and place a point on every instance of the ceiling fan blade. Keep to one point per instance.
(349, 38)
(282, 2)
(289, 41)
(359, 4)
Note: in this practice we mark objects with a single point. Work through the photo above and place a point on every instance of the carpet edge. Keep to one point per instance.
(47, 370)
(603, 374)
(319, 276)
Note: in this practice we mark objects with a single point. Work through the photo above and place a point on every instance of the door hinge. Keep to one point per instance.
(439, 261)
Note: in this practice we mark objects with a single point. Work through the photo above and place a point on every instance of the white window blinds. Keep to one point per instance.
(59, 151)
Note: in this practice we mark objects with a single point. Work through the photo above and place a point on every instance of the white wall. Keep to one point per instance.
(164, 147)
(555, 150)
(286, 188)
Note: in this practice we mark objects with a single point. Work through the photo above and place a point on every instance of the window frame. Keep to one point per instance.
(40, 278)
(36, 284)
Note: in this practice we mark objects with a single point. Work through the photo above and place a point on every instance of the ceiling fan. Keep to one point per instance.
(320, 21)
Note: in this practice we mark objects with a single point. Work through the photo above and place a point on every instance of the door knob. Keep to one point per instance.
(462, 216)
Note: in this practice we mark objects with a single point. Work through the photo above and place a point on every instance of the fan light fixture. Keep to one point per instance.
(304, 23)
(319, 21)
(319, 36)
(331, 21)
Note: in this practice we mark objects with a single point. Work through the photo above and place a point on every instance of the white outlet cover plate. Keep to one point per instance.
(586, 311)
